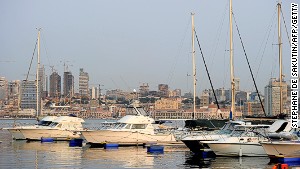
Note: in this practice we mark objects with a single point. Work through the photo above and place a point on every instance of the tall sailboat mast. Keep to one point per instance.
(194, 66)
(280, 57)
(37, 77)
(231, 62)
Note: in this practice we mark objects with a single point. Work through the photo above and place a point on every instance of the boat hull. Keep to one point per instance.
(56, 134)
(195, 143)
(237, 149)
(282, 149)
(126, 137)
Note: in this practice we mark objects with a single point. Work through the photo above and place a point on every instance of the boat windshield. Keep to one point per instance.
(53, 124)
(248, 131)
(119, 125)
(135, 111)
(44, 123)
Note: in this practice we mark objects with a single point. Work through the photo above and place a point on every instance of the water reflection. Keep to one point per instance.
(20, 154)
(124, 156)
(193, 160)
(40, 155)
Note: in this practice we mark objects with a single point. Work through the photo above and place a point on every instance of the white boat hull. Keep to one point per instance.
(195, 143)
(237, 149)
(284, 149)
(126, 137)
(56, 134)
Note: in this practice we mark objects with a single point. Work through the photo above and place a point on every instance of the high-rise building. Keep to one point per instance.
(272, 97)
(42, 81)
(144, 90)
(253, 108)
(68, 84)
(14, 92)
(55, 85)
(175, 93)
(83, 83)
(28, 94)
(3, 89)
(94, 92)
(204, 98)
(220, 94)
(46, 88)
(163, 90)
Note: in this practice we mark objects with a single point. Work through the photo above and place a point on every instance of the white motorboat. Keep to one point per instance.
(62, 128)
(194, 141)
(283, 143)
(17, 135)
(282, 149)
(133, 129)
(243, 141)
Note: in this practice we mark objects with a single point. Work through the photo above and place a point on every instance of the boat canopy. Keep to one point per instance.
(68, 119)
(131, 119)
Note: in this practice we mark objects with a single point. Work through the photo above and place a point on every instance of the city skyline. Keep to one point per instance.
(122, 46)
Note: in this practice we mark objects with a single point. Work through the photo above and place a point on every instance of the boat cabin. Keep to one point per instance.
(68, 123)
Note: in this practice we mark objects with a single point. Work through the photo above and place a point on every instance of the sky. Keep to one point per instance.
(123, 44)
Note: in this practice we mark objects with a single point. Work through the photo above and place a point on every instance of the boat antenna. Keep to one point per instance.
(208, 73)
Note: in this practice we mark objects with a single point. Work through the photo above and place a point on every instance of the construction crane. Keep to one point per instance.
(66, 66)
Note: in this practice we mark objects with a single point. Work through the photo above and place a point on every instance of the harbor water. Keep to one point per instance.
(22, 154)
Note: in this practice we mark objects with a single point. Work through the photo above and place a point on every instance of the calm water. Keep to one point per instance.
(22, 154)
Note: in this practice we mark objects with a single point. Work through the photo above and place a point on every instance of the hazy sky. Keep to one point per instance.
(124, 43)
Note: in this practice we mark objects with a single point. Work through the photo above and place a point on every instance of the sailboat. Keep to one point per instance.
(198, 141)
(212, 123)
(283, 150)
(247, 145)
(194, 140)
(56, 127)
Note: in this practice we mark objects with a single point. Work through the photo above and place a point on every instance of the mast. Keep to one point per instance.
(37, 77)
(231, 62)
(194, 66)
(280, 57)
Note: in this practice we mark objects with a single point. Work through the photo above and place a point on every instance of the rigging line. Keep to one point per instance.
(265, 46)
(218, 35)
(207, 70)
(287, 34)
(171, 74)
(26, 79)
(31, 60)
(46, 51)
(249, 65)
(128, 88)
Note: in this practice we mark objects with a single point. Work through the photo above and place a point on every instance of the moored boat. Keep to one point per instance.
(62, 128)
(133, 129)
(243, 141)
(288, 150)
(16, 133)
(194, 141)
